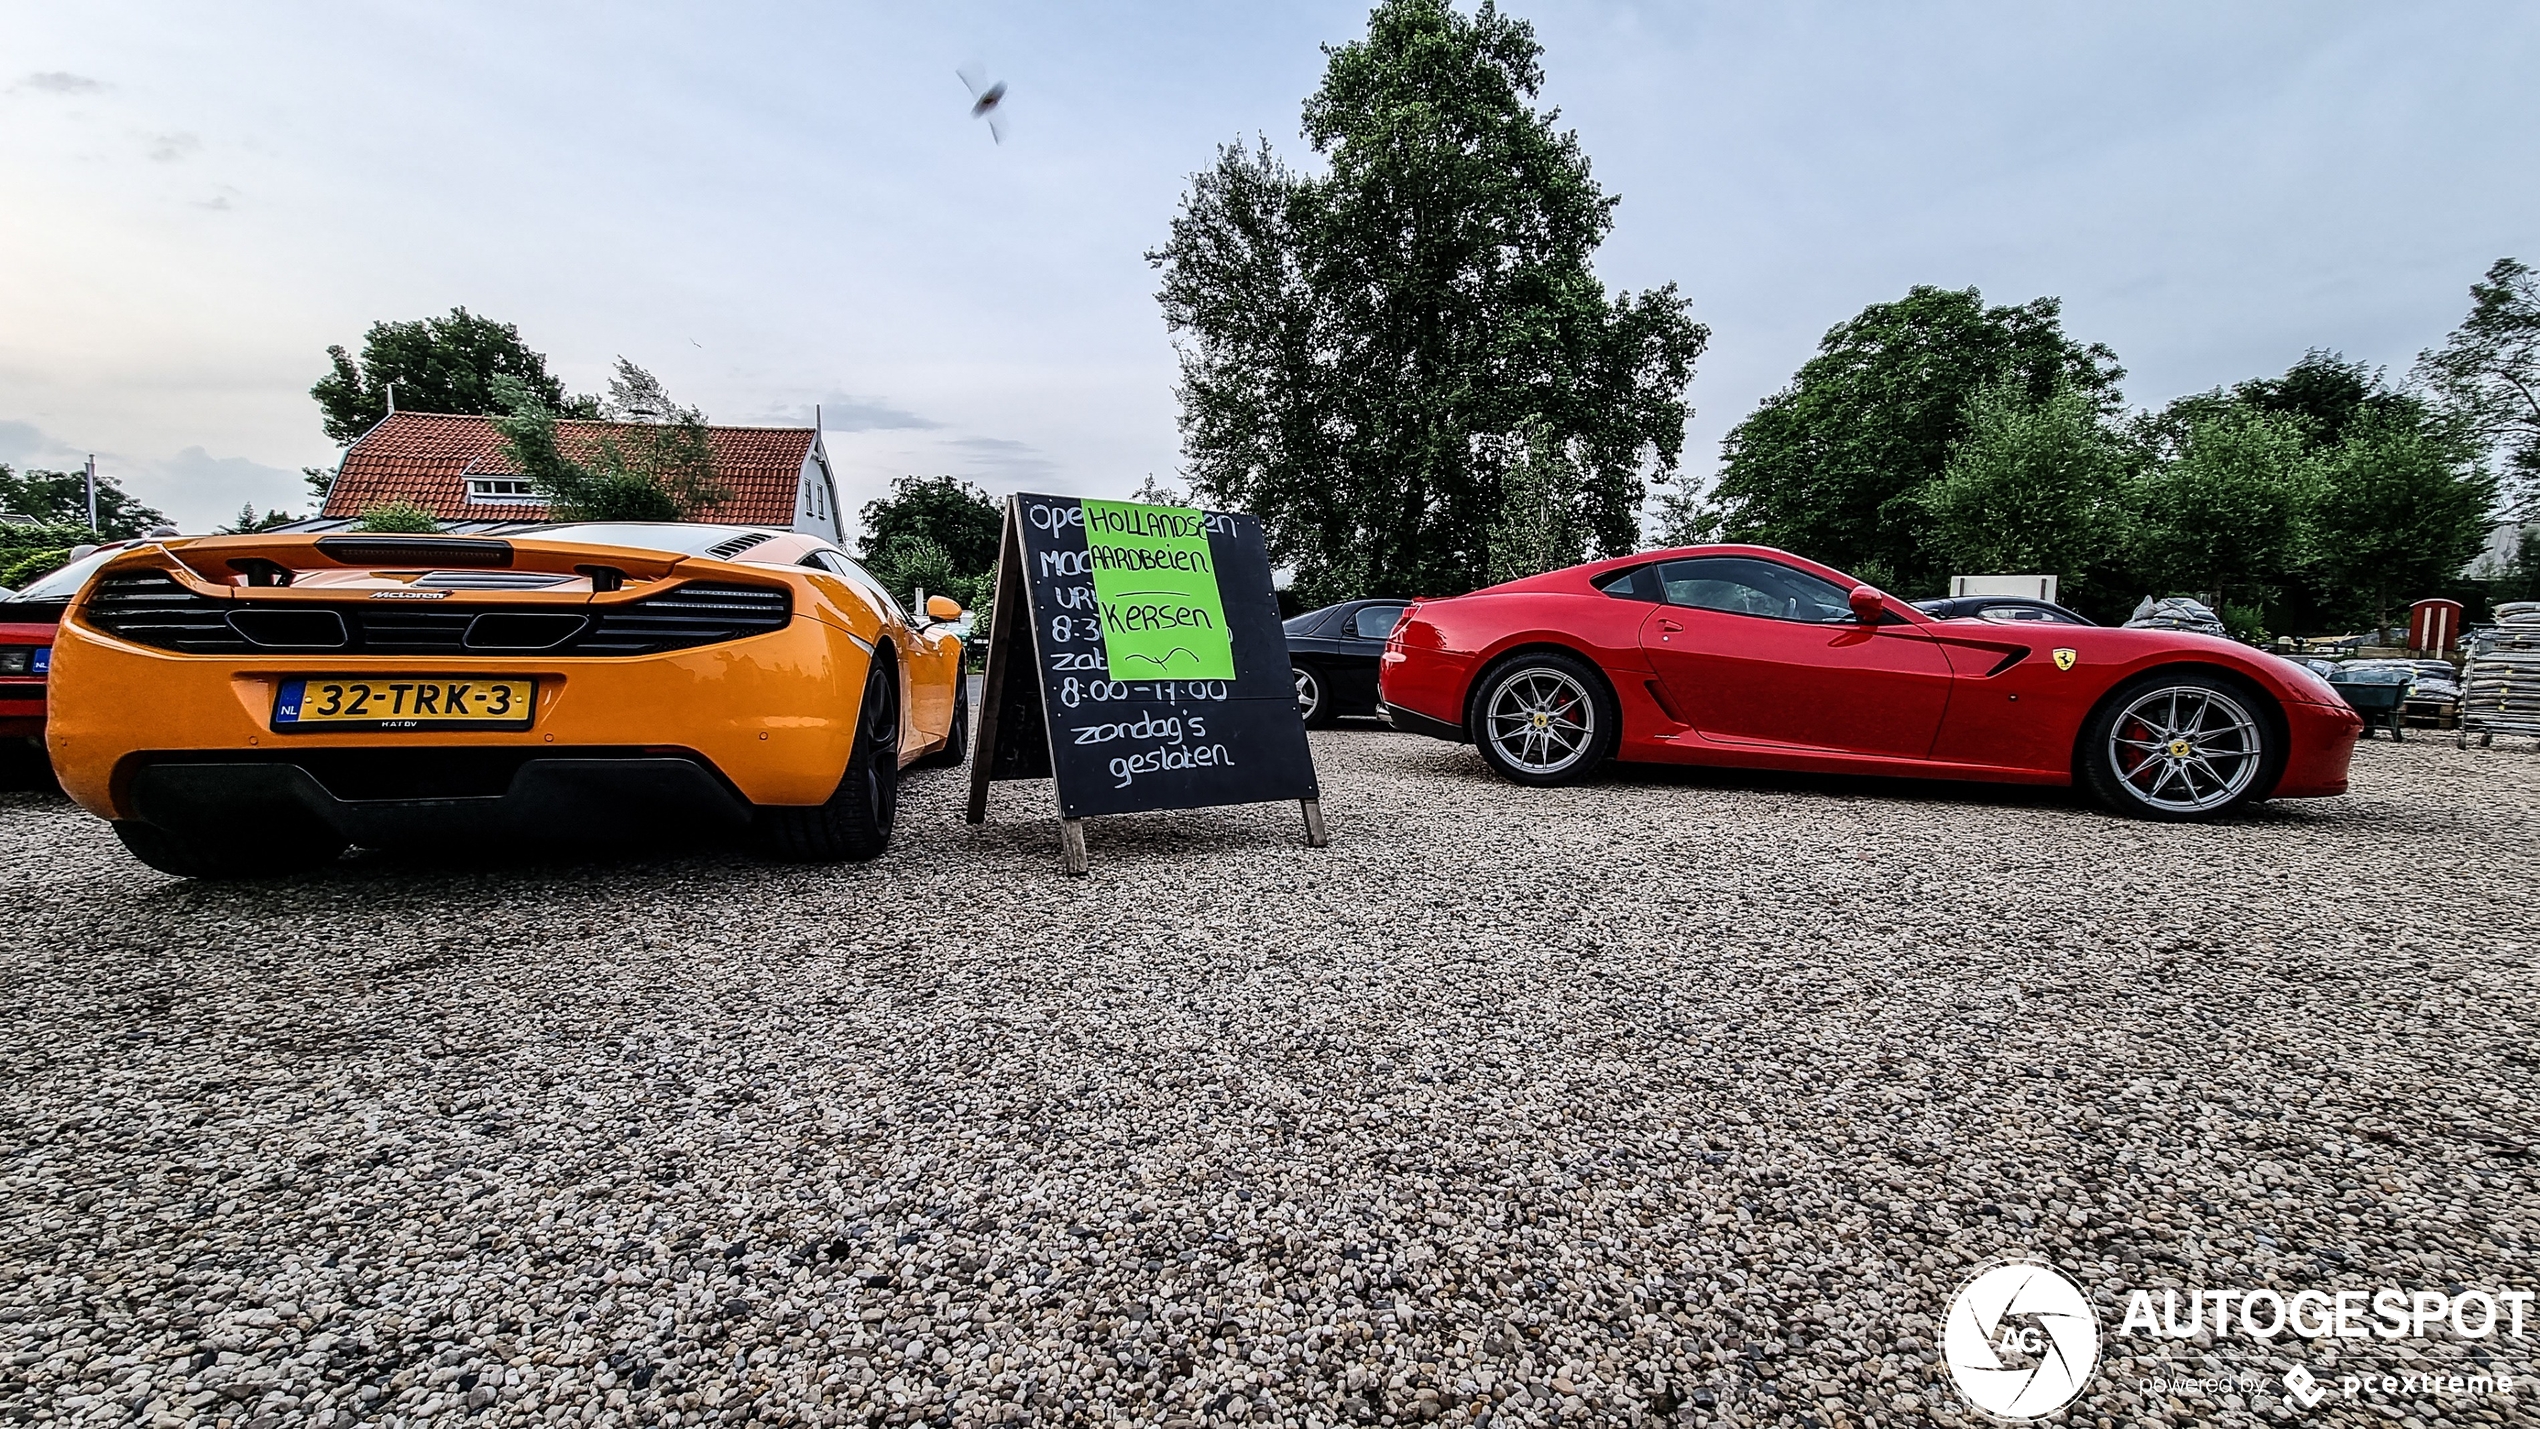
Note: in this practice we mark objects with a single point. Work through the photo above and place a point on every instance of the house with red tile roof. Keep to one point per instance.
(457, 468)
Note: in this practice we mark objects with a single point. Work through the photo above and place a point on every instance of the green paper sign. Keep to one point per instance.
(1162, 616)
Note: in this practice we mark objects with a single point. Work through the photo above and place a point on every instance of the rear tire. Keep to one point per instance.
(957, 739)
(2181, 745)
(270, 854)
(1313, 695)
(1543, 718)
(855, 824)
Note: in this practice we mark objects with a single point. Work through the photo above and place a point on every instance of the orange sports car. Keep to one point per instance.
(249, 705)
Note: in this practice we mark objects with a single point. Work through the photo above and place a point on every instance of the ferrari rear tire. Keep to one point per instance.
(270, 854)
(1313, 696)
(2180, 745)
(957, 739)
(855, 824)
(1544, 718)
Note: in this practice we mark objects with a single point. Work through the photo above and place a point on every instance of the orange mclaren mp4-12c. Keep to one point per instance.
(255, 704)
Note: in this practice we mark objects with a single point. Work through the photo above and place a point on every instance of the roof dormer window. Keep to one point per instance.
(502, 491)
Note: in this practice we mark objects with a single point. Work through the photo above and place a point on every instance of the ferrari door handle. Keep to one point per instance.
(1669, 627)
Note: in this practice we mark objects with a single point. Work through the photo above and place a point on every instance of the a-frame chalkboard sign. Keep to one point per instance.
(1135, 654)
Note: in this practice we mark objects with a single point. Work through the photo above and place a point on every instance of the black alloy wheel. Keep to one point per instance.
(855, 825)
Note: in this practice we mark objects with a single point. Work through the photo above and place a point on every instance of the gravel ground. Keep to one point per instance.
(1678, 1098)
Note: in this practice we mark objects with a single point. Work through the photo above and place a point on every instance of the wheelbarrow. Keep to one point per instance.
(2376, 695)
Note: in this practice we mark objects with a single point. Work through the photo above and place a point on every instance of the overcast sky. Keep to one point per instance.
(776, 205)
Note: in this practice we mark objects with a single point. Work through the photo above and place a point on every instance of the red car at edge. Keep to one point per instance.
(1751, 657)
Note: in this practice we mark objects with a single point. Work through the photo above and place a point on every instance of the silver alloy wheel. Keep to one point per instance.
(1541, 720)
(2185, 749)
(1309, 691)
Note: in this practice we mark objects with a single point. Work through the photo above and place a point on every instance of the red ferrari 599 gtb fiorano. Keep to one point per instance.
(1751, 657)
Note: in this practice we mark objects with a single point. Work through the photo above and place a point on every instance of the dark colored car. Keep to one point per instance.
(1334, 652)
(2003, 609)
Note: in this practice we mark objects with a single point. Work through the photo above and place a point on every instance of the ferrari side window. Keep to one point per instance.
(1743, 585)
(1638, 583)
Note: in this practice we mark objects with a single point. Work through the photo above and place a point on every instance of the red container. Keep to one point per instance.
(2434, 625)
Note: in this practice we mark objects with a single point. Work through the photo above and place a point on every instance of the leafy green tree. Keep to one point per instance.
(247, 522)
(1539, 525)
(448, 364)
(1680, 515)
(1833, 466)
(2033, 486)
(402, 518)
(2228, 516)
(653, 462)
(60, 498)
(2400, 509)
(1353, 345)
(955, 517)
(2324, 392)
(2486, 375)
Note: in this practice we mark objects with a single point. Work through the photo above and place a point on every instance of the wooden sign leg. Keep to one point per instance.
(1316, 836)
(1071, 848)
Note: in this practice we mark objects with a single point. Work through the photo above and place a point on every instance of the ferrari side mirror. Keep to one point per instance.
(942, 608)
(1868, 606)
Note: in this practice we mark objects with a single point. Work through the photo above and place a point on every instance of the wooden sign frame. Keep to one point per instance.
(1018, 736)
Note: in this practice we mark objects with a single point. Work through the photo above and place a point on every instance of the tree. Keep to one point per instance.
(1539, 525)
(402, 518)
(1354, 347)
(1682, 516)
(952, 515)
(60, 498)
(1831, 466)
(446, 364)
(654, 461)
(2486, 375)
(2400, 508)
(247, 521)
(2227, 515)
(2033, 486)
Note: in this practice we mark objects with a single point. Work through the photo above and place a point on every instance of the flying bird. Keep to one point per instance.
(984, 99)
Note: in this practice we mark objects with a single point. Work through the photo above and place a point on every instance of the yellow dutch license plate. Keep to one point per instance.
(314, 702)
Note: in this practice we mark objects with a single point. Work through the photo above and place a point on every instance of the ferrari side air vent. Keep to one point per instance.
(149, 608)
(726, 550)
(430, 551)
(699, 613)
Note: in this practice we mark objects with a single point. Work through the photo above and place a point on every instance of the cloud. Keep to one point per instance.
(168, 148)
(59, 81)
(196, 489)
(840, 412)
(25, 444)
(1008, 459)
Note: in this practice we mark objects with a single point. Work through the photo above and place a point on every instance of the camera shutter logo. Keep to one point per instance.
(2020, 1340)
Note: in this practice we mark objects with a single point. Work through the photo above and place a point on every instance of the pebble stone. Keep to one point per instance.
(1681, 1097)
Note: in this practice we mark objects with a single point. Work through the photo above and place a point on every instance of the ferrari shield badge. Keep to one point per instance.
(2064, 658)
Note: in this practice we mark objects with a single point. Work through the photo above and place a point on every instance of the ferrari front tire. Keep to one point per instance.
(2180, 745)
(1544, 718)
(855, 824)
(270, 854)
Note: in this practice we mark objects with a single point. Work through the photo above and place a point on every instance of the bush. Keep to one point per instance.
(399, 517)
